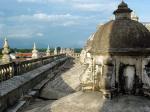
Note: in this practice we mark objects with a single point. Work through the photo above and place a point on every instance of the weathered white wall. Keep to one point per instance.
(145, 78)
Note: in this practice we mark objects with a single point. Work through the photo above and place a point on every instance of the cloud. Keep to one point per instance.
(23, 34)
(82, 5)
(26, 33)
(41, 1)
(20, 31)
(52, 19)
(79, 5)
(87, 7)
(30, 26)
(33, 19)
(27, 1)
(69, 23)
(40, 34)
(98, 7)
(46, 17)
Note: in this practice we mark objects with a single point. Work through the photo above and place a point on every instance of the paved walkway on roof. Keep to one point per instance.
(66, 82)
(64, 96)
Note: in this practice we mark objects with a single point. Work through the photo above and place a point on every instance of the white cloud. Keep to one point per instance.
(95, 6)
(87, 7)
(40, 34)
(29, 26)
(53, 19)
(20, 34)
(83, 5)
(46, 17)
(70, 23)
(41, 1)
(27, 0)
(54, 1)
(38, 17)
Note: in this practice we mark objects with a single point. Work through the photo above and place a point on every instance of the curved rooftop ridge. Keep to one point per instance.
(123, 51)
(123, 35)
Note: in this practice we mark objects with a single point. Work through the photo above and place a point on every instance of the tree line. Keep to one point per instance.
(15, 50)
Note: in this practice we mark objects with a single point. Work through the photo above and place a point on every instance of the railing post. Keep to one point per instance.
(14, 65)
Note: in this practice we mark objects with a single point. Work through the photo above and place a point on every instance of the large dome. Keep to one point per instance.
(121, 35)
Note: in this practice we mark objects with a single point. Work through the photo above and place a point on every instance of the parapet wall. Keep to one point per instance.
(12, 89)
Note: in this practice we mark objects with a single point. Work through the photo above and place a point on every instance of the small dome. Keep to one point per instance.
(121, 35)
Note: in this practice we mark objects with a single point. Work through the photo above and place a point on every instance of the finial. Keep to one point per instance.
(48, 51)
(55, 51)
(34, 46)
(6, 52)
(61, 50)
(5, 39)
(122, 1)
(123, 12)
(35, 53)
(48, 47)
(5, 43)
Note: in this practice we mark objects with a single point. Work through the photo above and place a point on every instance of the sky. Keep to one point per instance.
(65, 23)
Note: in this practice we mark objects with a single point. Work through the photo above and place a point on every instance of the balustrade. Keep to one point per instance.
(75, 55)
(9, 70)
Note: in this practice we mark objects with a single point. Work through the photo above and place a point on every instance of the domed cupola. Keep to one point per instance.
(118, 57)
(122, 35)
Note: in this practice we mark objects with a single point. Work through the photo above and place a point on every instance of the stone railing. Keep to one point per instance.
(74, 55)
(9, 70)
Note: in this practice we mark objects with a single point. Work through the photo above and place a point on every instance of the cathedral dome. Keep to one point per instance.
(121, 35)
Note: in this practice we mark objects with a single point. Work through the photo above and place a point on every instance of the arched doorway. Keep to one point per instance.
(129, 75)
(127, 79)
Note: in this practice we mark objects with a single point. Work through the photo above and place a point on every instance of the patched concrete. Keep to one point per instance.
(66, 83)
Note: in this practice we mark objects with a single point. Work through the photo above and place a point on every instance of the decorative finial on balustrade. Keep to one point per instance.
(6, 52)
(35, 53)
(61, 51)
(34, 46)
(55, 51)
(48, 52)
